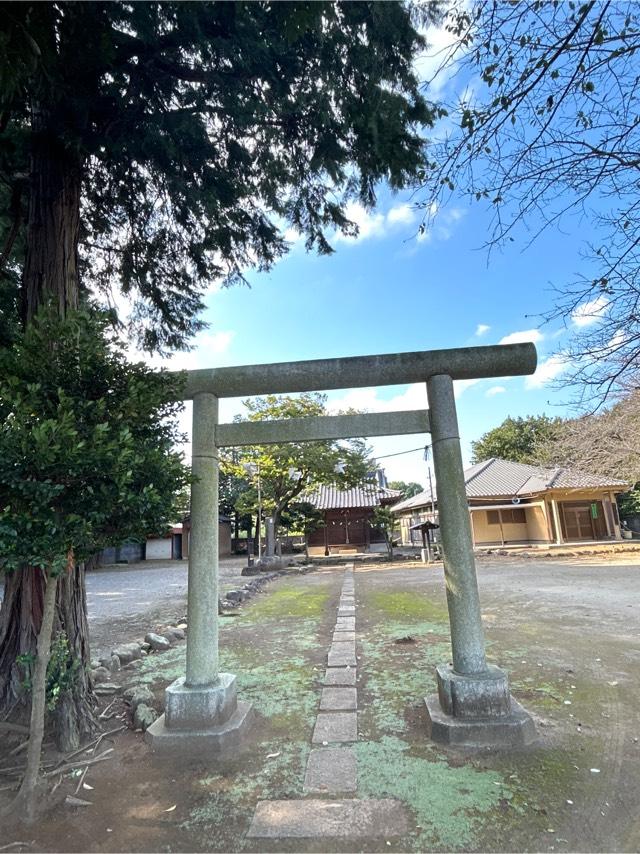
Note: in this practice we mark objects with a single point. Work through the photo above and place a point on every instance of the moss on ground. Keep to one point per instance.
(289, 600)
(400, 605)
(448, 803)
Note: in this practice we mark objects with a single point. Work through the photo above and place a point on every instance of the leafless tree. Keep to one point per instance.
(607, 443)
(549, 127)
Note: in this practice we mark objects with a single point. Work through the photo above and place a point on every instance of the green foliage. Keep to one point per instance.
(385, 520)
(516, 439)
(301, 516)
(61, 670)
(202, 130)
(288, 470)
(86, 443)
(629, 502)
(407, 490)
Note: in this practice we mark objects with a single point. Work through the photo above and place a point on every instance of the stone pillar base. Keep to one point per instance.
(477, 710)
(478, 695)
(513, 730)
(201, 721)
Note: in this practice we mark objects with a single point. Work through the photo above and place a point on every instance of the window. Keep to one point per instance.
(515, 516)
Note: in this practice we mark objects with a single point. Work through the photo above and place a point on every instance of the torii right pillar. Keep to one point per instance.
(473, 706)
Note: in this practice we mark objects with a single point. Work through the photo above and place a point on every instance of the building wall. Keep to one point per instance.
(538, 525)
(484, 532)
(348, 530)
(539, 519)
(159, 549)
(224, 539)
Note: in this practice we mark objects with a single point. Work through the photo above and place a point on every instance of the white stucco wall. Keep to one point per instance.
(159, 549)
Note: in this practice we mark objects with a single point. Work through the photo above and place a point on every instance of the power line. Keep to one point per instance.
(399, 453)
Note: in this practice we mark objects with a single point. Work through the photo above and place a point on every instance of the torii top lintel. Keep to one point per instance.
(462, 363)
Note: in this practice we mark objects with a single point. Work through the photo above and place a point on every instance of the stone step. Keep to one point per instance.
(339, 699)
(335, 727)
(331, 770)
(340, 676)
(317, 818)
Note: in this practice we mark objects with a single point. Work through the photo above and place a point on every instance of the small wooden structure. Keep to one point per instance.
(348, 518)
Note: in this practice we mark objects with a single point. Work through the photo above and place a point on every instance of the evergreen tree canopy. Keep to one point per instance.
(408, 490)
(516, 439)
(173, 142)
(86, 445)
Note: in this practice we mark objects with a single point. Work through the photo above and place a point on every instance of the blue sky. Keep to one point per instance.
(391, 290)
(388, 292)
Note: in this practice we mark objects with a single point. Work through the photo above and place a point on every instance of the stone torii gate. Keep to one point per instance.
(473, 706)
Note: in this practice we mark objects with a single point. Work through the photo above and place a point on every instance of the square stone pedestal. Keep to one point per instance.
(477, 711)
(202, 721)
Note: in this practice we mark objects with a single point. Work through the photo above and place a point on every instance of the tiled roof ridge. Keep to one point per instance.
(480, 470)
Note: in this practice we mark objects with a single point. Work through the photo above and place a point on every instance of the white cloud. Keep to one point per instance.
(617, 340)
(430, 66)
(293, 236)
(589, 312)
(481, 329)
(545, 372)
(370, 224)
(206, 347)
(367, 400)
(376, 224)
(523, 337)
(217, 343)
(403, 214)
(496, 389)
(460, 386)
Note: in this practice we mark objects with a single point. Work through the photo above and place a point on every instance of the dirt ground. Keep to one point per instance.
(566, 632)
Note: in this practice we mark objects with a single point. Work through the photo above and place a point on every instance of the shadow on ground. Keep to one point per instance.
(576, 670)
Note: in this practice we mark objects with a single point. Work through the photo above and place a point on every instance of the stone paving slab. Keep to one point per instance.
(335, 727)
(318, 818)
(341, 659)
(346, 624)
(338, 699)
(343, 646)
(346, 611)
(332, 770)
(340, 676)
(339, 637)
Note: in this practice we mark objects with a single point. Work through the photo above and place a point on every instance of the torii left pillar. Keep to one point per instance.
(203, 715)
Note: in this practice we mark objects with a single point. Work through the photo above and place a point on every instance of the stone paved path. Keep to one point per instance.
(332, 764)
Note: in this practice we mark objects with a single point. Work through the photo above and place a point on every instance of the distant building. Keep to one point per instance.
(348, 518)
(517, 504)
(173, 545)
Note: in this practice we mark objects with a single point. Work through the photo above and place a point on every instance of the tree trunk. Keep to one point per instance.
(27, 798)
(20, 621)
(74, 717)
(50, 278)
(50, 275)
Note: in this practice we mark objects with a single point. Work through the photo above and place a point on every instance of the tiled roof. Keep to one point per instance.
(419, 500)
(330, 497)
(496, 477)
(502, 478)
